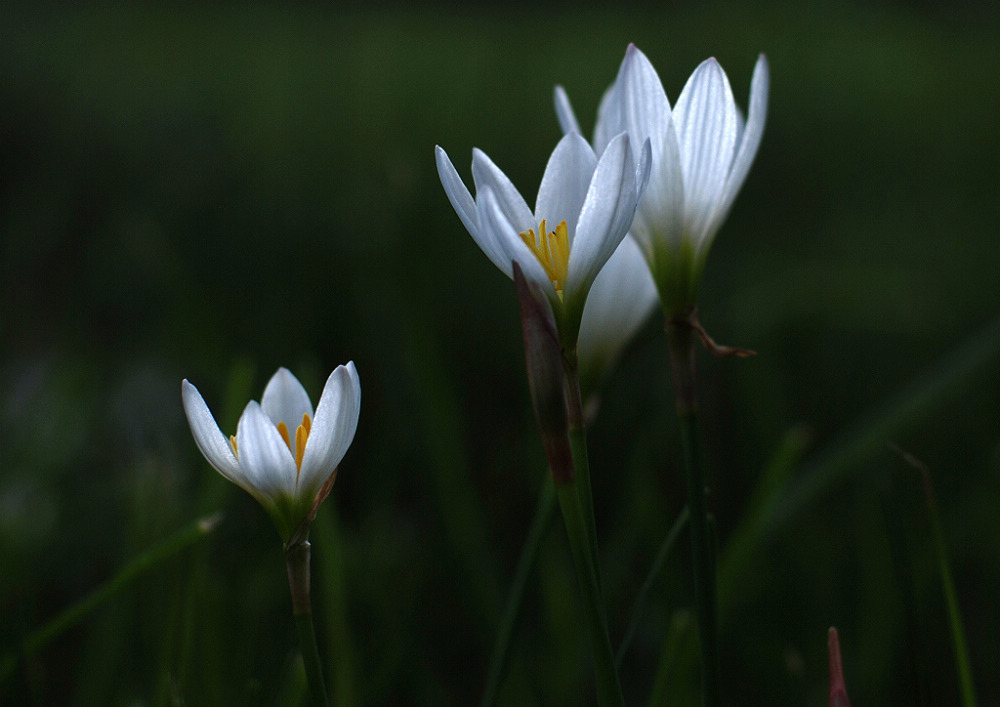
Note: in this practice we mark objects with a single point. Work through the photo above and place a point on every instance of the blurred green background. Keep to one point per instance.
(213, 192)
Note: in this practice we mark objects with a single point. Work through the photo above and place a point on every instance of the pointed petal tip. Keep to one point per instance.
(351, 372)
(564, 111)
(711, 63)
(441, 157)
(576, 137)
(213, 445)
(284, 375)
(761, 67)
(633, 53)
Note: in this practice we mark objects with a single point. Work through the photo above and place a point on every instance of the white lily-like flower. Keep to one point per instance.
(702, 151)
(282, 454)
(621, 300)
(584, 208)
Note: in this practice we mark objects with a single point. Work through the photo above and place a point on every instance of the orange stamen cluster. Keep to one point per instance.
(552, 250)
(301, 435)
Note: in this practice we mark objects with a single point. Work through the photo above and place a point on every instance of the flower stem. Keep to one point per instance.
(681, 337)
(581, 527)
(297, 562)
(609, 692)
(581, 462)
(515, 597)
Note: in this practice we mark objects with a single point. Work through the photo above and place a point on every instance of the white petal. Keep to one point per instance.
(264, 456)
(644, 168)
(458, 194)
(565, 183)
(609, 119)
(333, 429)
(621, 300)
(705, 117)
(564, 112)
(605, 218)
(213, 444)
(509, 199)
(747, 149)
(741, 123)
(644, 106)
(493, 219)
(285, 400)
(659, 220)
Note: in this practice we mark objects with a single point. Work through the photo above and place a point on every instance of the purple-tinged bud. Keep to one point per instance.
(544, 362)
(838, 690)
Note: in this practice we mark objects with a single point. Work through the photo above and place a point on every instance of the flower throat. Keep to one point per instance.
(552, 250)
(301, 435)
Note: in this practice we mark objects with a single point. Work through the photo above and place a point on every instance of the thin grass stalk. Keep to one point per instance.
(675, 645)
(846, 455)
(959, 646)
(339, 643)
(69, 617)
(609, 693)
(647, 584)
(544, 512)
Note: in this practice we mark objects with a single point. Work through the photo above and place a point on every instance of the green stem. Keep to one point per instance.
(515, 598)
(681, 338)
(609, 692)
(149, 559)
(297, 562)
(581, 463)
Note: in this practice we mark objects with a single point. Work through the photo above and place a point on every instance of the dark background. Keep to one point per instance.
(211, 192)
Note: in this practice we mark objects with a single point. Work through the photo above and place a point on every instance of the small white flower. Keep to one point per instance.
(282, 454)
(584, 208)
(701, 150)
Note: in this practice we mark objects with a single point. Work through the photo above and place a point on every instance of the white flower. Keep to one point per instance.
(281, 454)
(583, 210)
(701, 150)
(620, 302)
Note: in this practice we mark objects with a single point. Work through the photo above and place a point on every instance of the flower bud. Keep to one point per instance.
(838, 690)
(544, 361)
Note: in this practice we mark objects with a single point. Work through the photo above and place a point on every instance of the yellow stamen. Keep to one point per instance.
(552, 250)
(283, 431)
(301, 435)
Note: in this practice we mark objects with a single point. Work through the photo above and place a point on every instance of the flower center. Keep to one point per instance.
(552, 250)
(301, 435)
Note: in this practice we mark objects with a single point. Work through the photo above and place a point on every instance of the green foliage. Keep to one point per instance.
(213, 192)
